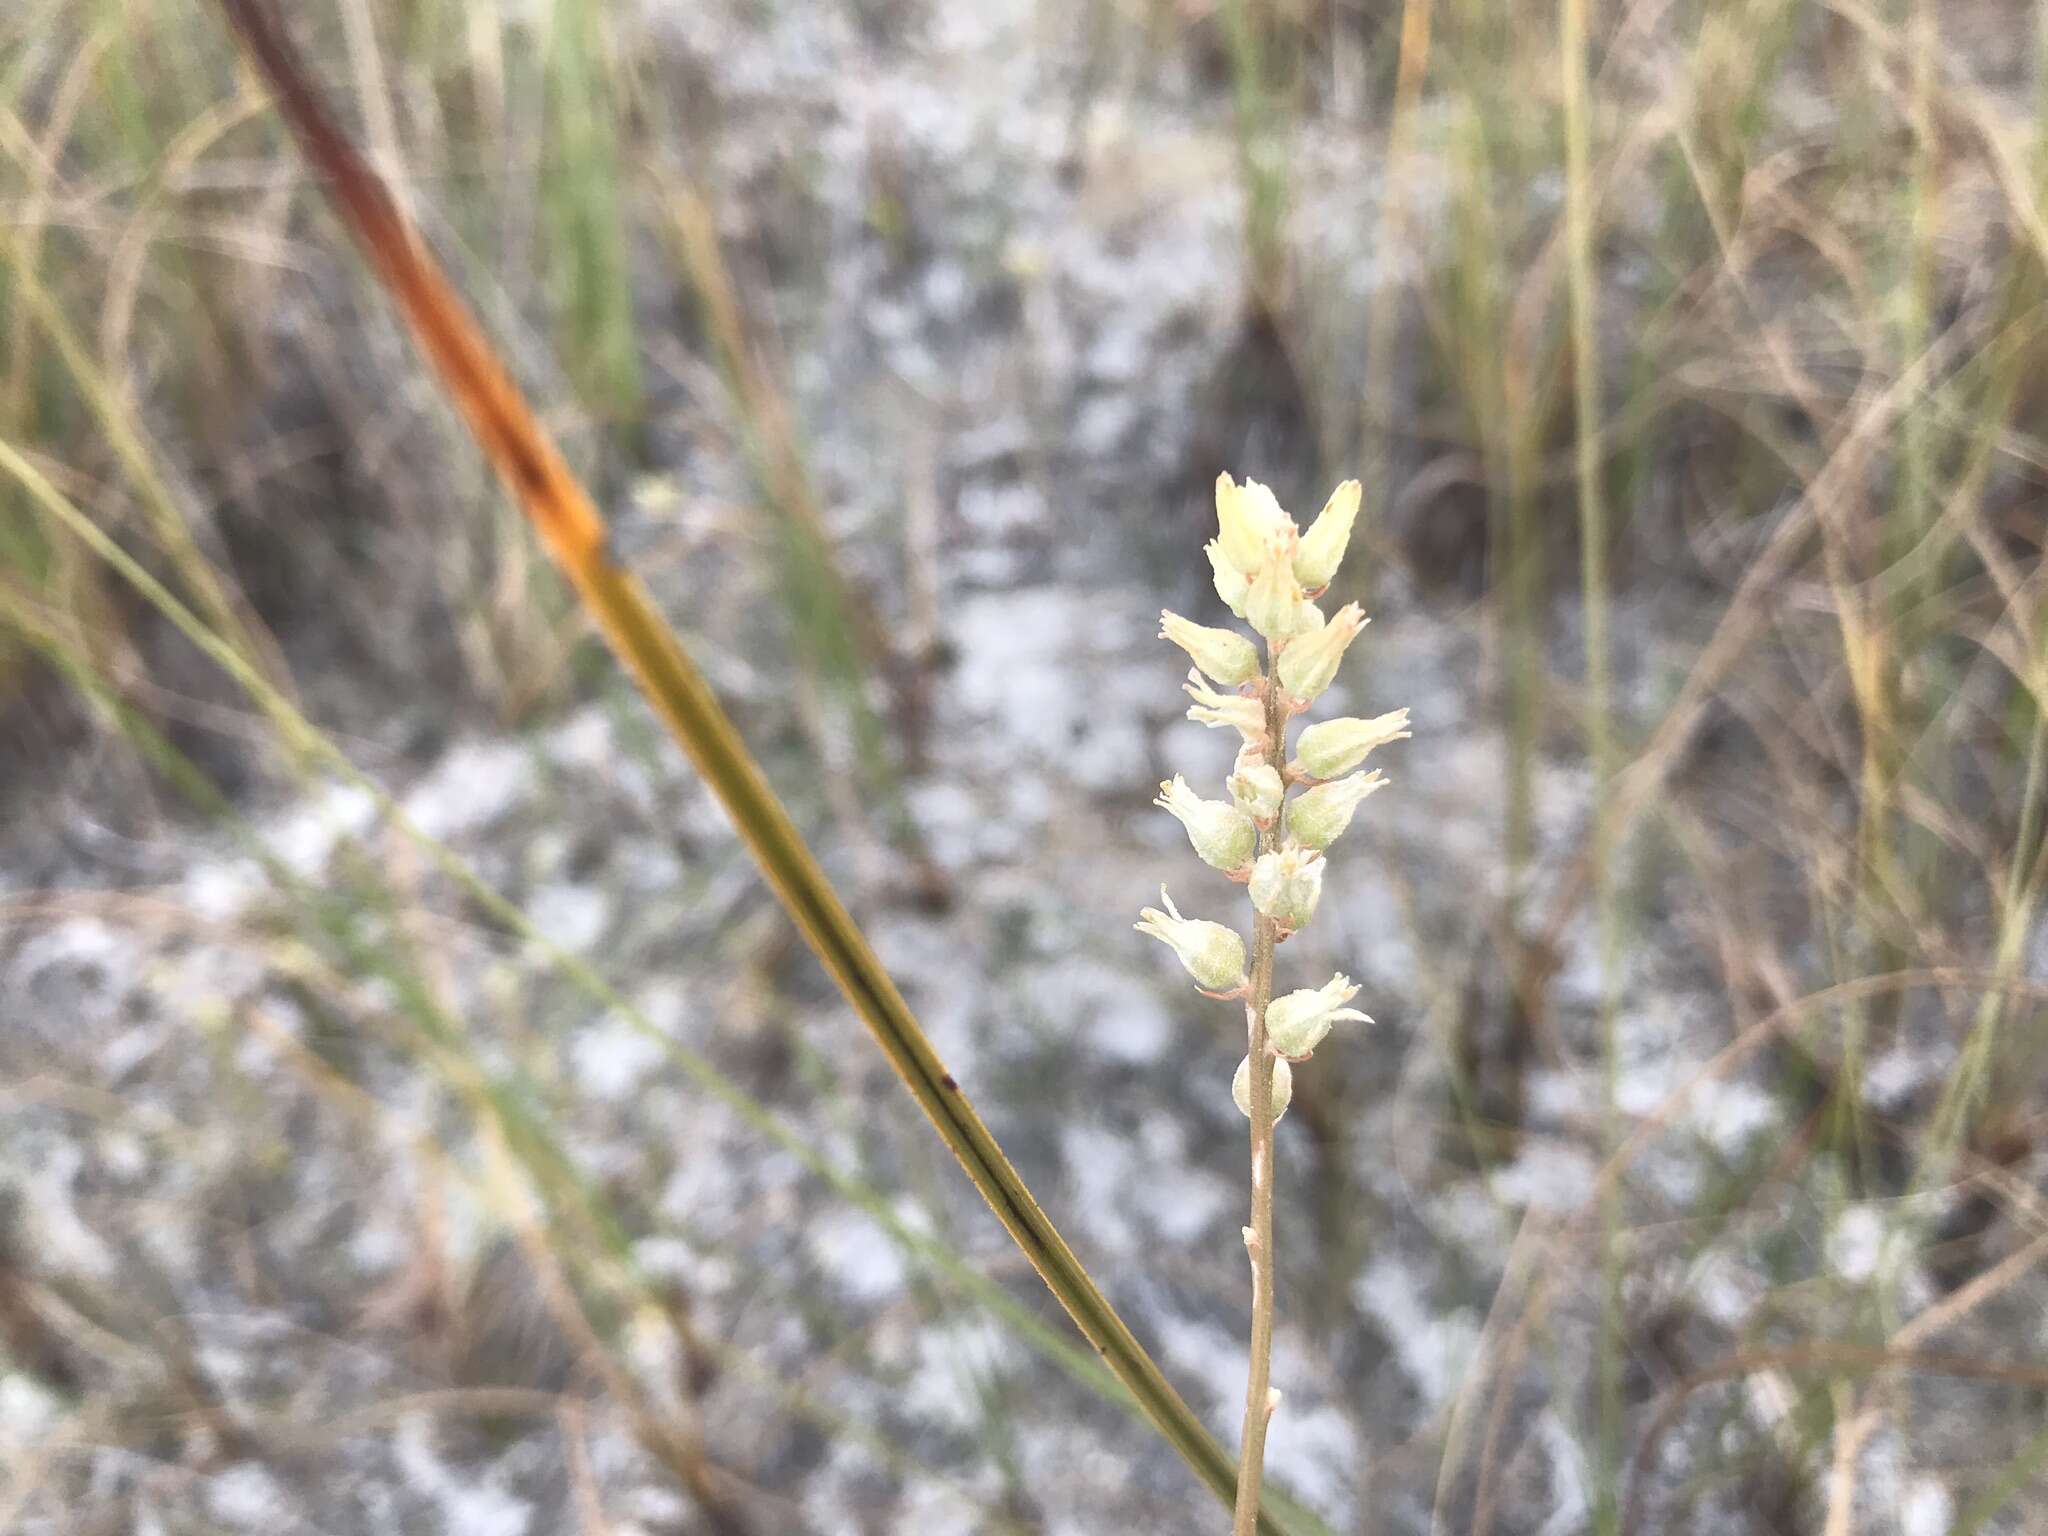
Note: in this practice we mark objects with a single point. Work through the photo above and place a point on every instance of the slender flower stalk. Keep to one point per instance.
(1268, 572)
(1260, 1400)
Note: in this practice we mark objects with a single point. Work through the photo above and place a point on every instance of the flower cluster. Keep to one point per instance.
(1270, 574)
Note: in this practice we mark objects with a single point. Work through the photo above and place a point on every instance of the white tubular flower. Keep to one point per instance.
(1283, 1087)
(1232, 585)
(1224, 837)
(1248, 524)
(1245, 716)
(1322, 547)
(1222, 655)
(1274, 605)
(1309, 665)
(1257, 787)
(1296, 1023)
(1212, 953)
(1338, 746)
(1320, 816)
(1287, 884)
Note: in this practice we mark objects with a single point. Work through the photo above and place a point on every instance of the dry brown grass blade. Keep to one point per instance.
(477, 383)
(510, 434)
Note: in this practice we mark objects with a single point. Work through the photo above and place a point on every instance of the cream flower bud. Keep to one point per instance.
(1224, 836)
(1232, 585)
(1322, 548)
(1212, 953)
(1245, 716)
(1331, 747)
(1309, 665)
(1248, 522)
(1287, 884)
(1274, 605)
(1283, 1087)
(1296, 1023)
(1257, 788)
(1320, 816)
(1221, 654)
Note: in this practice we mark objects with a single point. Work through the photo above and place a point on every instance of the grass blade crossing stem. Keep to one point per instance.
(510, 434)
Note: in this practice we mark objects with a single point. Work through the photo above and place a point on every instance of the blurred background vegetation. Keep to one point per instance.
(416, 1116)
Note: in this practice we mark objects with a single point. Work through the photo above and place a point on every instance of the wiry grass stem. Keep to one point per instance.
(1581, 211)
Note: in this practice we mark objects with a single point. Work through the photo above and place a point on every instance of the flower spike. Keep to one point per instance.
(1269, 573)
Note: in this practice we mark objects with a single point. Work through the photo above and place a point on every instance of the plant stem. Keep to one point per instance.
(1258, 1237)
